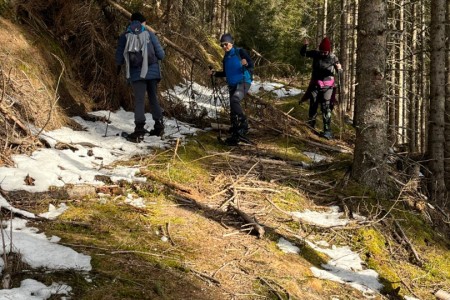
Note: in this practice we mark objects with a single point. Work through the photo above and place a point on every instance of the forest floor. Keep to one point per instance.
(189, 241)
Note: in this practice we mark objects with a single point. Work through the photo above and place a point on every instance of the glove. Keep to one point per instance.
(119, 67)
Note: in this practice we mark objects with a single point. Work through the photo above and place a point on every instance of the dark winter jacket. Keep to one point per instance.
(233, 70)
(153, 46)
(322, 66)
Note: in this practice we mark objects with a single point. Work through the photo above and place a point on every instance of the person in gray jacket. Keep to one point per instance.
(139, 51)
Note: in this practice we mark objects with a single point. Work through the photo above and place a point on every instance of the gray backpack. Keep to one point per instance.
(138, 53)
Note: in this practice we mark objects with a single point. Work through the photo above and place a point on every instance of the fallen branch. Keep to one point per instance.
(205, 276)
(411, 247)
(250, 220)
(167, 183)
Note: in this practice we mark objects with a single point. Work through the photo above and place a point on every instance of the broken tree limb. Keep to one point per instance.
(250, 220)
(13, 119)
(127, 14)
(297, 122)
(411, 247)
(170, 184)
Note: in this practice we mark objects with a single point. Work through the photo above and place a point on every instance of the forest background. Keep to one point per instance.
(395, 90)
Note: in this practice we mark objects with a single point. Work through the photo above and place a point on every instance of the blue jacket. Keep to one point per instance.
(154, 71)
(233, 70)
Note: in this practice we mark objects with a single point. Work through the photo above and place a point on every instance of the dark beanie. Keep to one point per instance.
(138, 17)
(226, 38)
(325, 45)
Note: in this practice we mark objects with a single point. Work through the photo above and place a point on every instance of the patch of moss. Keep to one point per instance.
(289, 201)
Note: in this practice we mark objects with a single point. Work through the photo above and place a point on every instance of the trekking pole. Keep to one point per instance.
(213, 84)
(340, 105)
(107, 123)
(109, 115)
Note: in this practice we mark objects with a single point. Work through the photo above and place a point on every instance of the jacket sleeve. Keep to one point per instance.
(159, 51)
(244, 55)
(120, 60)
(221, 73)
(308, 53)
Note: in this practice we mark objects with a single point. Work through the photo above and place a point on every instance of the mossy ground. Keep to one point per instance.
(131, 261)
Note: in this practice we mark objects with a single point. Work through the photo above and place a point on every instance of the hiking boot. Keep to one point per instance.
(311, 123)
(138, 134)
(158, 128)
(243, 126)
(232, 140)
(328, 135)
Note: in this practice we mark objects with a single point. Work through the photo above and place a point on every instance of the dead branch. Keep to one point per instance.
(262, 160)
(205, 276)
(250, 220)
(168, 234)
(55, 97)
(13, 118)
(411, 247)
(170, 184)
(272, 289)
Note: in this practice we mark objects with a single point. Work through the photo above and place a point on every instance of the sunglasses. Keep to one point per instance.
(224, 44)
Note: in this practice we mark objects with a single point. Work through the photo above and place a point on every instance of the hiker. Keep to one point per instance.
(140, 51)
(237, 68)
(321, 87)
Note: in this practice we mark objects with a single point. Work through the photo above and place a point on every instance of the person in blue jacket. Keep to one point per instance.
(237, 68)
(140, 51)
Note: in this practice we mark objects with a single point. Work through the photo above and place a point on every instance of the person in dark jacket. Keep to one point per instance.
(140, 51)
(321, 88)
(237, 68)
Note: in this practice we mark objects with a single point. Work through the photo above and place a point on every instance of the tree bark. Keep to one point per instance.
(353, 82)
(447, 102)
(436, 141)
(343, 52)
(412, 138)
(371, 118)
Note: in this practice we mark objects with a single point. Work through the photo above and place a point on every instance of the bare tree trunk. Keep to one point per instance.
(447, 102)
(401, 74)
(412, 133)
(392, 105)
(325, 14)
(371, 131)
(319, 30)
(353, 82)
(224, 17)
(424, 84)
(343, 54)
(436, 141)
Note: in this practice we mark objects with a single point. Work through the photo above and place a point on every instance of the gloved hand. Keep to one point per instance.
(119, 67)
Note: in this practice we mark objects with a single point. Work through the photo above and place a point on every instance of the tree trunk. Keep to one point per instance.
(412, 138)
(436, 141)
(353, 82)
(371, 131)
(324, 16)
(447, 103)
(343, 52)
